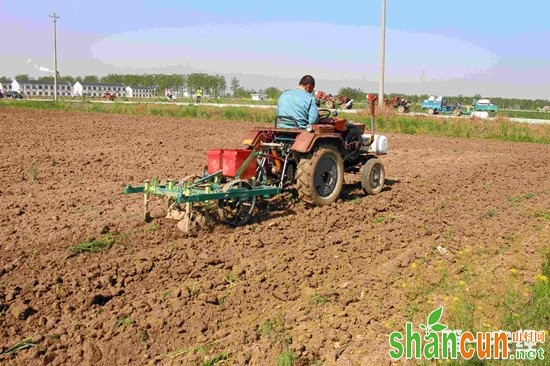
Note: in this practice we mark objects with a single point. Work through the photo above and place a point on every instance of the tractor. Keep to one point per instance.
(109, 96)
(311, 161)
(401, 105)
(329, 101)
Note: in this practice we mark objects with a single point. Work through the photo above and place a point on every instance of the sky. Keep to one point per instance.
(493, 48)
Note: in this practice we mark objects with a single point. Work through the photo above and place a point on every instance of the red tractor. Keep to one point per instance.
(399, 104)
(330, 101)
(312, 161)
(109, 97)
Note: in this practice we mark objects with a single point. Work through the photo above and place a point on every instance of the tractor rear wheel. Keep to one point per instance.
(401, 109)
(320, 176)
(372, 176)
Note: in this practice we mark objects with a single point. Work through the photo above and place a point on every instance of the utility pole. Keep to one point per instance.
(382, 54)
(54, 18)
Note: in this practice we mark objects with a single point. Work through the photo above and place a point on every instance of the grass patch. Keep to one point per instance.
(525, 114)
(542, 214)
(93, 245)
(215, 360)
(231, 278)
(520, 198)
(286, 358)
(125, 320)
(498, 129)
(318, 299)
(381, 219)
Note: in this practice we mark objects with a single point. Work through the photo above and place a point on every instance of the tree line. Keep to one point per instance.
(216, 86)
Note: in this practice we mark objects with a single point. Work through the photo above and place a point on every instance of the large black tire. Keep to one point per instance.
(373, 176)
(320, 176)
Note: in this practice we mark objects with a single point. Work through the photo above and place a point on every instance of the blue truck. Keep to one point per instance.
(440, 105)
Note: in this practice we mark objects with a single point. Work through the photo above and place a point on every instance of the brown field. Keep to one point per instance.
(327, 284)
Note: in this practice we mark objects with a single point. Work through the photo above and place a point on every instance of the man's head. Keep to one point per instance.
(308, 83)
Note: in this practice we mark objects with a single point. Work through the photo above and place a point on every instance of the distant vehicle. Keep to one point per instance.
(13, 94)
(441, 105)
(484, 105)
(330, 101)
(109, 96)
(401, 105)
(437, 105)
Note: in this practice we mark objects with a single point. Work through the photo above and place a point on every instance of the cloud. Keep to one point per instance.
(285, 49)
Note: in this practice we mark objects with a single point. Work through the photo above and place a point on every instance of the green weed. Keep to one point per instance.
(542, 214)
(318, 299)
(215, 360)
(143, 335)
(93, 245)
(125, 320)
(285, 359)
(21, 345)
(33, 171)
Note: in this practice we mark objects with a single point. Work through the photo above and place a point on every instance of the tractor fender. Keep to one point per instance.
(306, 141)
(253, 138)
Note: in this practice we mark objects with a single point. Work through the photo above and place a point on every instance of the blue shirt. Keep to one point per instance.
(299, 104)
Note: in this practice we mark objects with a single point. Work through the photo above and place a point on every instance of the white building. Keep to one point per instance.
(140, 91)
(15, 86)
(259, 96)
(5, 86)
(42, 88)
(98, 89)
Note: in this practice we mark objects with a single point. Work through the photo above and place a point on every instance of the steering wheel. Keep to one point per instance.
(324, 113)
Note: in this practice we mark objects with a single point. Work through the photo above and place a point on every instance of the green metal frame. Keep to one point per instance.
(207, 188)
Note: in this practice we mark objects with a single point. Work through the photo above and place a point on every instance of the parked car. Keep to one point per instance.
(13, 94)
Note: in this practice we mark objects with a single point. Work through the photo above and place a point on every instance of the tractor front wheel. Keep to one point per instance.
(373, 176)
(329, 104)
(431, 111)
(320, 176)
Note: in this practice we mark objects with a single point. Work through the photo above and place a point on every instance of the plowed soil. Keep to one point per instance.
(326, 284)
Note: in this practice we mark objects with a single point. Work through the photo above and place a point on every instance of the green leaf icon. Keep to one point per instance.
(435, 316)
(422, 326)
(438, 327)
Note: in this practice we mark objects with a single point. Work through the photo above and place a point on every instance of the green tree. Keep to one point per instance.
(353, 93)
(91, 79)
(22, 77)
(273, 92)
(234, 87)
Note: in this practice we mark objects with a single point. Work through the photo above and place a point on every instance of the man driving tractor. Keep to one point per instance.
(297, 107)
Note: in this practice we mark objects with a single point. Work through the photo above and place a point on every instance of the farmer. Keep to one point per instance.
(198, 94)
(298, 105)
